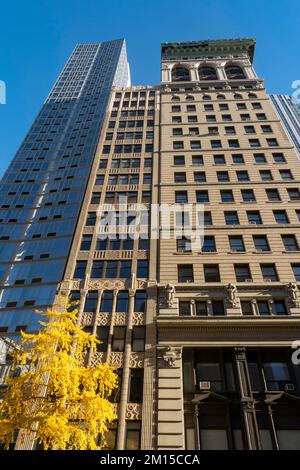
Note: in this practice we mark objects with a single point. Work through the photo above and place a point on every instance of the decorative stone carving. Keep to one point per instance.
(171, 355)
(87, 318)
(231, 295)
(136, 360)
(97, 358)
(134, 411)
(170, 295)
(116, 359)
(120, 319)
(103, 319)
(138, 318)
(106, 284)
(293, 293)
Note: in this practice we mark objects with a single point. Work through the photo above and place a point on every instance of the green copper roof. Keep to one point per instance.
(211, 47)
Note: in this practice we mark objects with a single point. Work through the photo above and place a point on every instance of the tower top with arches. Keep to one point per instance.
(211, 60)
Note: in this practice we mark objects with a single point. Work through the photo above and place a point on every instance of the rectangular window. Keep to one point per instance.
(118, 339)
(263, 307)
(246, 308)
(179, 160)
(290, 242)
(217, 307)
(180, 177)
(138, 339)
(185, 273)
(273, 195)
(231, 218)
(184, 308)
(136, 381)
(254, 217)
(296, 271)
(201, 307)
(80, 270)
(242, 272)
(222, 176)
(209, 244)
(211, 273)
(236, 243)
(133, 435)
(248, 195)
(227, 195)
(269, 272)
(261, 243)
(202, 196)
(199, 177)
(181, 197)
(86, 242)
(184, 244)
(102, 335)
(281, 217)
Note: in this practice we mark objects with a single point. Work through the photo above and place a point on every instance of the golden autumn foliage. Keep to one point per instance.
(56, 397)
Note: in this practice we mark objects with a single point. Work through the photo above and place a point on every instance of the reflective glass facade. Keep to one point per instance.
(43, 188)
(289, 113)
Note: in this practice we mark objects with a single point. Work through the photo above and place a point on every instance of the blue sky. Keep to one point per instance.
(38, 36)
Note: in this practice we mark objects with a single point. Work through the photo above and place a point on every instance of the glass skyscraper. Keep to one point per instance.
(289, 113)
(42, 190)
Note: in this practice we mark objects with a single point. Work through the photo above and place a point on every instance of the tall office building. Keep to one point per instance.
(42, 190)
(200, 333)
(289, 114)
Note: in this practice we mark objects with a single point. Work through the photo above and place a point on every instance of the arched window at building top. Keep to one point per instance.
(234, 72)
(175, 98)
(180, 74)
(207, 73)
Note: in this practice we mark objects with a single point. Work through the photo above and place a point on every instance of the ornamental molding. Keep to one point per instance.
(97, 358)
(87, 318)
(138, 319)
(136, 360)
(120, 319)
(134, 411)
(103, 319)
(116, 359)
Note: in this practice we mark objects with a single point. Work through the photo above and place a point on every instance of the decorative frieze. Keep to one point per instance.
(116, 359)
(134, 411)
(136, 360)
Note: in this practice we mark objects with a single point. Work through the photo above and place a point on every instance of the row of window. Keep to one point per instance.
(176, 131)
(114, 244)
(182, 219)
(191, 108)
(128, 148)
(215, 144)
(125, 163)
(241, 176)
(248, 195)
(217, 307)
(220, 159)
(111, 269)
(117, 341)
(107, 299)
(180, 73)
(211, 118)
(131, 123)
(236, 243)
(242, 272)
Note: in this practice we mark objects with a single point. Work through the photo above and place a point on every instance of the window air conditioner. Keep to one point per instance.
(289, 387)
(204, 386)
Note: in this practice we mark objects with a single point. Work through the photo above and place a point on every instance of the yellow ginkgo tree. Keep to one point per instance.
(57, 400)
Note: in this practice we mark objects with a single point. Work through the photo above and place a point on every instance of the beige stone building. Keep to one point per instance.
(202, 338)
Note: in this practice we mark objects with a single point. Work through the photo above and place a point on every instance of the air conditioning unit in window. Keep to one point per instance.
(289, 387)
(204, 386)
(266, 279)
(253, 222)
(249, 280)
